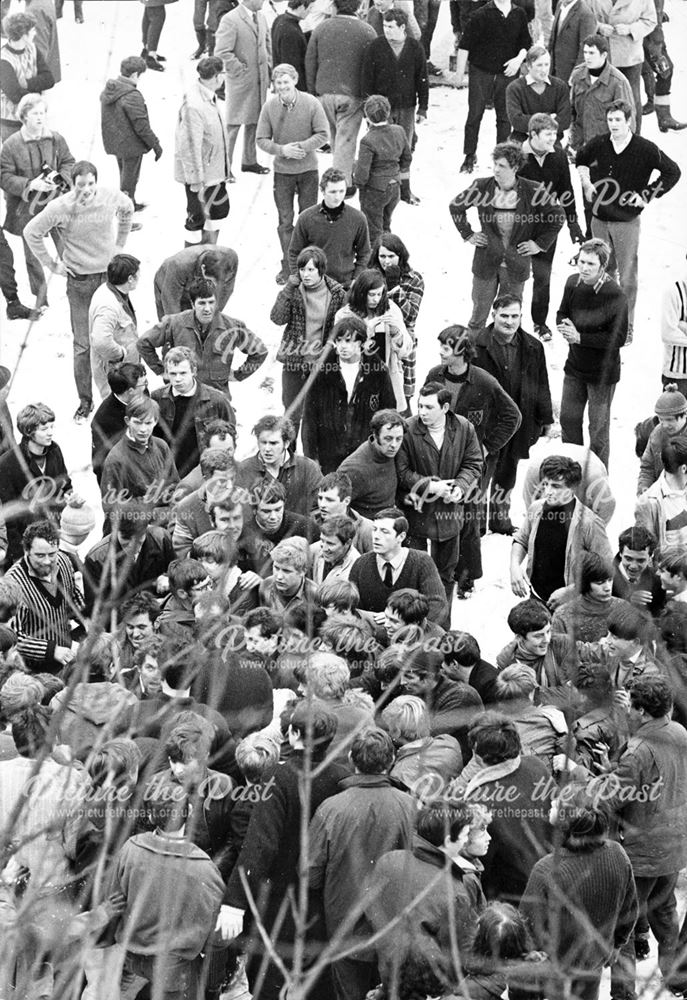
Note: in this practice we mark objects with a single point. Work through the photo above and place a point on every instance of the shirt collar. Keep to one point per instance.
(530, 81)
(395, 563)
(292, 105)
(599, 284)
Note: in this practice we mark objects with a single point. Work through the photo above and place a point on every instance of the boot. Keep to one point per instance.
(648, 108)
(210, 42)
(666, 122)
(200, 35)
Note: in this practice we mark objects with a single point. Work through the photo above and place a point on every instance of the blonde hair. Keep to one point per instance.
(407, 718)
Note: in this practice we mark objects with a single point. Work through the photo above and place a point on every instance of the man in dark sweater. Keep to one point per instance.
(549, 167)
(537, 92)
(496, 40)
(391, 566)
(615, 172)
(125, 380)
(371, 468)
(593, 318)
(395, 67)
(335, 227)
(333, 64)
(288, 40)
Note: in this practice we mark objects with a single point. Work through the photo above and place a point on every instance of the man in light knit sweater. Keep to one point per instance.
(85, 220)
(333, 66)
(292, 125)
(674, 331)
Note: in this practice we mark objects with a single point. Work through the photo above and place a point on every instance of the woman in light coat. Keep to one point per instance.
(201, 155)
(386, 330)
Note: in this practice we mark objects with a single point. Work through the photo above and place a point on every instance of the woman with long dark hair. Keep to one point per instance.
(387, 335)
(405, 287)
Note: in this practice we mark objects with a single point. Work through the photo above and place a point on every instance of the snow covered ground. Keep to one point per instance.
(40, 354)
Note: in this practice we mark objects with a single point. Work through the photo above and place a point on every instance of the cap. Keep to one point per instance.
(670, 402)
(76, 523)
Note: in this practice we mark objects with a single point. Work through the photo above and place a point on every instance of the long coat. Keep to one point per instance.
(626, 50)
(245, 49)
(418, 462)
(533, 397)
(566, 42)
(201, 153)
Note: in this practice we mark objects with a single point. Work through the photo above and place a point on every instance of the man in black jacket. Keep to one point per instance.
(125, 124)
(548, 167)
(476, 395)
(517, 361)
(288, 41)
(125, 380)
(345, 394)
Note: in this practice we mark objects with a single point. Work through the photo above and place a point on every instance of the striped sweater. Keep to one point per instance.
(42, 621)
(674, 328)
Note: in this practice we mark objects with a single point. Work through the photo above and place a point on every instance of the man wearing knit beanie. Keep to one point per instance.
(671, 410)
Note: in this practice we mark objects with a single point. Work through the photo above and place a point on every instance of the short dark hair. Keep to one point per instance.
(141, 408)
(637, 538)
(347, 6)
(594, 569)
(185, 573)
(436, 389)
(124, 376)
(372, 751)
(528, 616)
(269, 622)
(494, 738)
(82, 168)
(215, 460)
(397, 516)
(626, 621)
(409, 604)
(511, 152)
(674, 454)
(219, 427)
(214, 545)
(122, 267)
(352, 327)
(131, 65)
(339, 525)
(506, 299)
(541, 123)
(202, 288)
(15, 26)
(333, 175)
(343, 595)
(673, 559)
(461, 648)
(399, 16)
(47, 530)
(311, 718)
(339, 481)
(269, 491)
(653, 694)
(622, 106)
(561, 467)
(458, 336)
(382, 418)
(209, 67)
(141, 603)
(437, 821)
(313, 254)
(272, 422)
(599, 42)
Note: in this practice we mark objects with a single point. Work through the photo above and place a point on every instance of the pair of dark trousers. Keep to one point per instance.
(377, 207)
(541, 284)
(445, 555)
(485, 290)
(78, 8)
(633, 75)
(8, 278)
(483, 88)
(151, 27)
(129, 172)
(433, 8)
(578, 394)
(200, 8)
(293, 378)
(656, 898)
(288, 187)
(474, 526)
(502, 483)
(80, 289)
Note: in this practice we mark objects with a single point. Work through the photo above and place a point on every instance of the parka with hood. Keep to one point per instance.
(124, 120)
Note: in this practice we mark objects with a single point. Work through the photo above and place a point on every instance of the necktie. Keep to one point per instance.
(255, 20)
(388, 576)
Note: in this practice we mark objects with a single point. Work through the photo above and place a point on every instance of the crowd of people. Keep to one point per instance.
(245, 752)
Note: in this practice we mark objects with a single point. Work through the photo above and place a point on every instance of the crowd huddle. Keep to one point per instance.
(243, 752)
